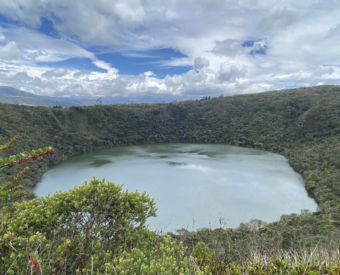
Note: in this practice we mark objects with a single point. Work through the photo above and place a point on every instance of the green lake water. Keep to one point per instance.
(194, 185)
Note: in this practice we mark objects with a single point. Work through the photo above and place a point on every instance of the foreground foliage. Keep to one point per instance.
(76, 229)
(99, 228)
(8, 190)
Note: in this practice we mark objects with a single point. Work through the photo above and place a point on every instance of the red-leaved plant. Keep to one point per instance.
(9, 192)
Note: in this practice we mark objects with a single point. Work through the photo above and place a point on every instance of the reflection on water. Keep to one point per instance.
(193, 184)
(173, 163)
(100, 162)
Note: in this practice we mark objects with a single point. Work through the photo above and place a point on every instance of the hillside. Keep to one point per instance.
(10, 95)
(301, 124)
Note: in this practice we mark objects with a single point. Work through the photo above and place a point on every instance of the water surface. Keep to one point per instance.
(194, 185)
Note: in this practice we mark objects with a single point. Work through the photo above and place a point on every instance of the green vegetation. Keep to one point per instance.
(86, 225)
(301, 124)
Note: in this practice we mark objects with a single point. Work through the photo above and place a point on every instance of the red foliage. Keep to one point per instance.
(37, 154)
(34, 263)
(28, 159)
(66, 246)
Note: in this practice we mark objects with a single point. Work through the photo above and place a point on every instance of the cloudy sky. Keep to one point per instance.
(167, 49)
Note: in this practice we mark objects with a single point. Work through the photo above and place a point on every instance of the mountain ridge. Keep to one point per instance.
(11, 95)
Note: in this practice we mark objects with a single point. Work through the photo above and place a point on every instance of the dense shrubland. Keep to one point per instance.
(301, 124)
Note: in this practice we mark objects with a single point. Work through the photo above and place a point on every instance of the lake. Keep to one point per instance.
(194, 185)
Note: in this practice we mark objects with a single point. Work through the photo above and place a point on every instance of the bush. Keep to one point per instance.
(75, 229)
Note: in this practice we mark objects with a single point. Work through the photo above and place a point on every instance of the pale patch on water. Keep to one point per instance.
(195, 167)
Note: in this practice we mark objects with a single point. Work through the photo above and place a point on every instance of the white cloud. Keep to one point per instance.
(81, 73)
(55, 73)
(93, 21)
(103, 65)
(193, 84)
(2, 36)
(149, 73)
(201, 63)
(174, 62)
(312, 75)
(10, 51)
(334, 31)
(231, 70)
(37, 47)
(279, 17)
(289, 43)
(228, 47)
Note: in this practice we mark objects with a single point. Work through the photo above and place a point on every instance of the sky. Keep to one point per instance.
(164, 50)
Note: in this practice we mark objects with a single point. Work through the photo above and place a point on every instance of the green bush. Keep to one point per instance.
(74, 229)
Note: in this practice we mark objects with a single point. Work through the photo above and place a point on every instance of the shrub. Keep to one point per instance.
(75, 230)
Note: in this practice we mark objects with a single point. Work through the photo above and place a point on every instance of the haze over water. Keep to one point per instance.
(193, 184)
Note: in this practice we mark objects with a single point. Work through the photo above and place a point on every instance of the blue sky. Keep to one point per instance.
(171, 50)
(143, 61)
(128, 63)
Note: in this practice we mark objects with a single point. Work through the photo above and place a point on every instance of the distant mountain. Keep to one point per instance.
(13, 96)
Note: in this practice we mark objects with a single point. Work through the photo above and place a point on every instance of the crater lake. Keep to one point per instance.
(194, 185)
